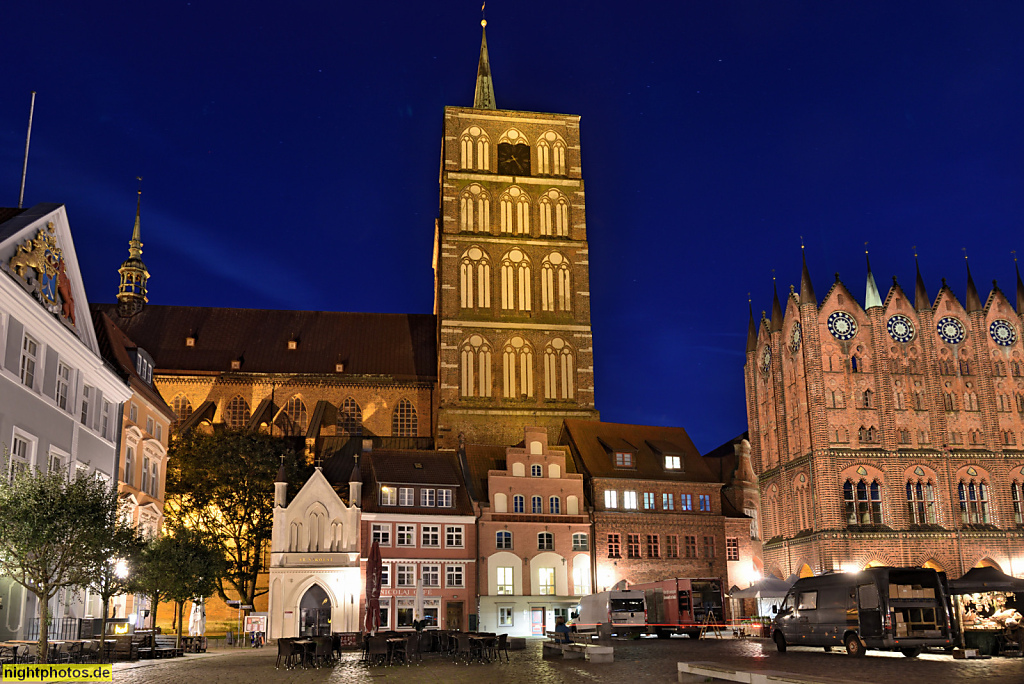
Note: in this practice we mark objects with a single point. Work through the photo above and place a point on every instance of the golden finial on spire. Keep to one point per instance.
(773, 275)
(865, 248)
(139, 178)
(749, 300)
(914, 247)
(801, 242)
(1014, 253)
(964, 250)
(483, 15)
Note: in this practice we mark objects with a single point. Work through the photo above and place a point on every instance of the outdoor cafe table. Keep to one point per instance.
(308, 646)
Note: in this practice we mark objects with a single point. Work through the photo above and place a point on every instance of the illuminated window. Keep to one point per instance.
(237, 413)
(553, 209)
(560, 374)
(475, 279)
(475, 369)
(673, 463)
(475, 149)
(516, 284)
(506, 587)
(515, 212)
(921, 502)
(475, 210)
(863, 502)
(388, 496)
(974, 503)
(629, 500)
(517, 364)
(546, 581)
(611, 499)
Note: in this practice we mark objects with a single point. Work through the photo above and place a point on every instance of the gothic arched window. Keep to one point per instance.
(515, 281)
(517, 364)
(550, 154)
(555, 283)
(1017, 498)
(559, 370)
(974, 503)
(350, 418)
(403, 420)
(553, 209)
(182, 408)
(863, 502)
(515, 212)
(236, 413)
(475, 279)
(292, 418)
(513, 154)
(921, 501)
(475, 367)
(474, 210)
(475, 149)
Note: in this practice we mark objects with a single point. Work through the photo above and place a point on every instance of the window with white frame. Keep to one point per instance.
(580, 541)
(29, 352)
(406, 535)
(503, 540)
(648, 501)
(129, 466)
(506, 587)
(554, 505)
(426, 497)
(154, 482)
(444, 498)
(385, 579)
(405, 576)
(133, 412)
(22, 451)
(629, 500)
(87, 393)
(536, 471)
(546, 581)
(105, 420)
(705, 502)
(145, 474)
(405, 496)
(611, 499)
(385, 613)
(405, 613)
(380, 533)
(63, 385)
(454, 577)
(505, 616)
(159, 431)
(667, 501)
(430, 575)
(430, 535)
(149, 425)
(57, 462)
(518, 503)
(536, 505)
(672, 463)
(388, 495)
(454, 536)
(545, 541)
(581, 581)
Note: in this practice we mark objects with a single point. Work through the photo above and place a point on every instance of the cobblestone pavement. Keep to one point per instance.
(636, 662)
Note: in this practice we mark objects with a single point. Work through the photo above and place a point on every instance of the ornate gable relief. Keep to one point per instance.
(316, 521)
(39, 254)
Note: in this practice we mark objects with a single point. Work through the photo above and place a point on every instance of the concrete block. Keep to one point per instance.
(600, 654)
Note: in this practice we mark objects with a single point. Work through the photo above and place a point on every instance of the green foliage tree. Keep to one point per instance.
(113, 577)
(54, 533)
(222, 484)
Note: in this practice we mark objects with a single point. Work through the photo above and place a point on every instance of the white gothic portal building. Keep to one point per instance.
(315, 582)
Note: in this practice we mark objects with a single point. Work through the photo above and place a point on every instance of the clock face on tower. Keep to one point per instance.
(951, 330)
(900, 328)
(1002, 333)
(513, 160)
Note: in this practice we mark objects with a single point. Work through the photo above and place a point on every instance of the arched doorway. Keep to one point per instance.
(315, 612)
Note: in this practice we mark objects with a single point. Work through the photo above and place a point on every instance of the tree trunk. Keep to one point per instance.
(181, 612)
(42, 650)
(156, 602)
(103, 626)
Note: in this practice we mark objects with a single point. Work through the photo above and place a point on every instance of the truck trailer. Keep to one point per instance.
(620, 612)
(682, 605)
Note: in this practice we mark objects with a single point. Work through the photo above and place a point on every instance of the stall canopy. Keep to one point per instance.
(983, 580)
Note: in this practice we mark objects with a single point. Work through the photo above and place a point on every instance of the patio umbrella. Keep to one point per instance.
(374, 570)
(983, 580)
(197, 619)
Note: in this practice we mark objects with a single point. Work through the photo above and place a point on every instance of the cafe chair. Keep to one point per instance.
(463, 648)
(289, 652)
(502, 647)
(377, 650)
(323, 651)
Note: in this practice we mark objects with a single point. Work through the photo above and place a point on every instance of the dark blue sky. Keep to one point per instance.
(290, 155)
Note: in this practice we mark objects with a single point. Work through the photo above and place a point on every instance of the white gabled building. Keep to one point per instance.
(60, 404)
(315, 581)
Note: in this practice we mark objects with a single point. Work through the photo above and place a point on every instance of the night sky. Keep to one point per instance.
(290, 155)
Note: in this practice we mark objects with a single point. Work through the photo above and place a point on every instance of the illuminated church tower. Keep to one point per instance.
(131, 294)
(511, 277)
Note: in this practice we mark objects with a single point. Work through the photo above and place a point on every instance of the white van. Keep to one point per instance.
(611, 612)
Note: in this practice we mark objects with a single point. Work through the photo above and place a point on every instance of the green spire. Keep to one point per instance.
(484, 96)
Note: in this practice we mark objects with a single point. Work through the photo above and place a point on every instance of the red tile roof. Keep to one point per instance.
(114, 346)
(399, 346)
(427, 468)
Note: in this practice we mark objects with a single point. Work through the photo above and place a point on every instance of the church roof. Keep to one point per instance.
(401, 346)
(587, 441)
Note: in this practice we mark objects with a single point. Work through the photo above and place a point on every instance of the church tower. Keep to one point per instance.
(131, 295)
(512, 283)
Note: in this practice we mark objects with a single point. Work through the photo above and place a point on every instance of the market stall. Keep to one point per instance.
(767, 593)
(989, 604)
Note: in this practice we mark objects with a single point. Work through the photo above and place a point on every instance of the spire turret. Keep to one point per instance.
(871, 296)
(131, 294)
(973, 300)
(806, 288)
(776, 323)
(483, 98)
(921, 301)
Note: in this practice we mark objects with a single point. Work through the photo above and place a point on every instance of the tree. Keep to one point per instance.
(113, 577)
(54, 533)
(222, 484)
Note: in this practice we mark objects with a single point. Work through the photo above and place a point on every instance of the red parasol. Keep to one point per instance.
(374, 572)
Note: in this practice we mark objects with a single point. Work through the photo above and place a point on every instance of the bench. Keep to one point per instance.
(703, 671)
(166, 647)
(579, 648)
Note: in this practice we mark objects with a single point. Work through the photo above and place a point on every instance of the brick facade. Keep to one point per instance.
(888, 401)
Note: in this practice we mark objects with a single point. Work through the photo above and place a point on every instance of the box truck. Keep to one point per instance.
(682, 605)
(611, 612)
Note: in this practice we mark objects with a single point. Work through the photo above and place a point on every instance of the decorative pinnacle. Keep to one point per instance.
(749, 300)
(801, 242)
(914, 247)
(483, 15)
(1014, 253)
(964, 250)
